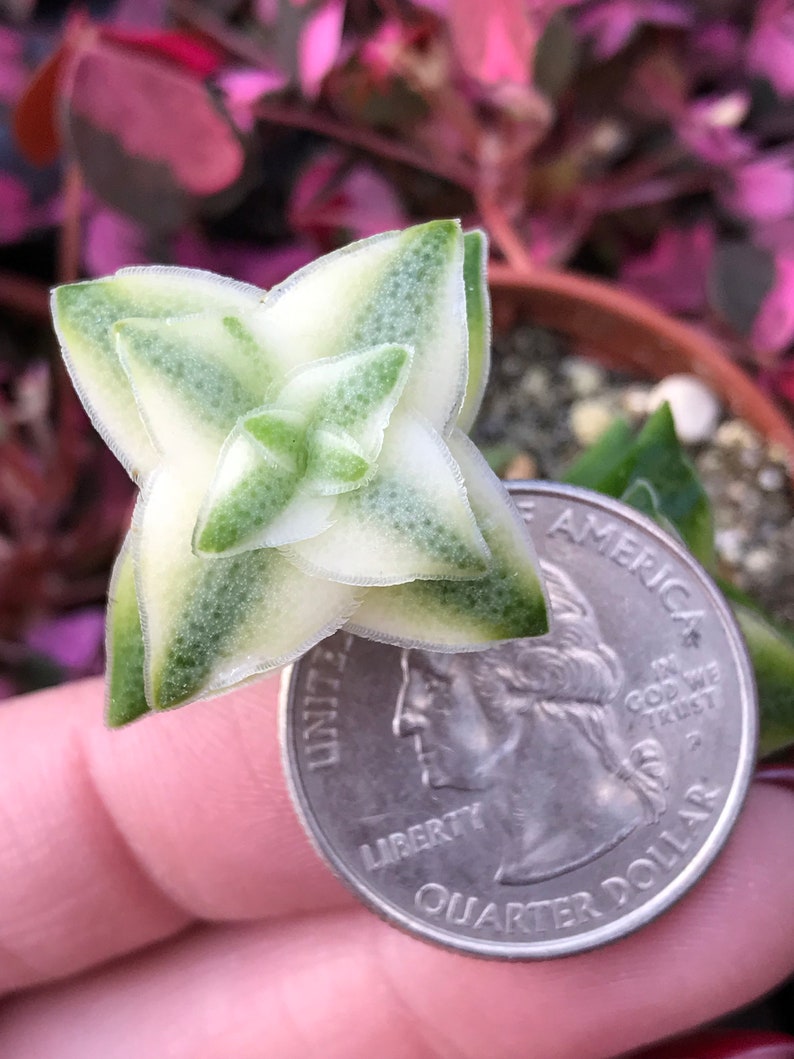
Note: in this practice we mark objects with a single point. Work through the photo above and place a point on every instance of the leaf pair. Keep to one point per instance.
(302, 462)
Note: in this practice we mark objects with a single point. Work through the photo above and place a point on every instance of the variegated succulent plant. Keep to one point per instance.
(302, 461)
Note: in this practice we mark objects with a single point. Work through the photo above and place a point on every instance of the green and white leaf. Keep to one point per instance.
(192, 379)
(336, 463)
(402, 525)
(124, 649)
(354, 393)
(255, 499)
(507, 602)
(478, 316)
(402, 287)
(211, 624)
(84, 315)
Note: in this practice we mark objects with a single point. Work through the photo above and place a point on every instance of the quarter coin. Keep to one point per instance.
(546, 795)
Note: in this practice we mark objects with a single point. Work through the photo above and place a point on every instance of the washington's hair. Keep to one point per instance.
(572, 675)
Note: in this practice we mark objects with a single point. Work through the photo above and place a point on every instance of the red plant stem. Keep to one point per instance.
(364, 139)
(69, 243)
(504, 234)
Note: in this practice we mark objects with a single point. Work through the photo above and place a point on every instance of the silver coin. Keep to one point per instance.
(546, 795)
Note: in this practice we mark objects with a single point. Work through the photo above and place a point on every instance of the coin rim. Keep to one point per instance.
(617, 928)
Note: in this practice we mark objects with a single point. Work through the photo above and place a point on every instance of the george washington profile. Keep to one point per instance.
(533, 721)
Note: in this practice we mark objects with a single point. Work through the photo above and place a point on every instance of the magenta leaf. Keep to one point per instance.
(14, 74)
(330, 202)
(146, 134)
(112, 241)
(495, 41)
(770, 49)
(251, 264)
(709, 128)
(773, 328)
(15, 209)
(612, 24)
(243, 87)
(73, 640)
(673, 273)
(763, 189)
(319, 44)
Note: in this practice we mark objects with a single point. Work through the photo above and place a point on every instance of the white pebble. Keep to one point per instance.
(634, 401)
(589, 419)
(771, 478)
(696, 411)
(759, 561)
(536, 382)
(521, 467)
(735, 433)
(585, 378)
(730, 544)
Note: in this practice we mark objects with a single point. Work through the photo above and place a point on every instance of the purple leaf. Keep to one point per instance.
(717, 48)
(612, 24)
(763, 189)
(770, 49)
(74, 640)
(262, 268)
(709, 129)
(773, 329)
(494, 41)
(14, 74)
(673, 273)
(319, 44)
(111, 242)
(15, 209)
(242, 88)
(381, 51)
(330, 201)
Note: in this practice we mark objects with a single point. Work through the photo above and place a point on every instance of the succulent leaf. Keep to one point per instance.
(401, 526)
(210, 624)
(355, 393)
(192, 379)
(336, 463)
(84, 315)
(478, 317)
(126, 695)
(403, 288)
(463, 615)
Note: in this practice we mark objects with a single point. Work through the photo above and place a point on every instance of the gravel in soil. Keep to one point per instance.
(544, 406)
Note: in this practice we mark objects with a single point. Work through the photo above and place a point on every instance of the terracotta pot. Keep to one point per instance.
(626, 332)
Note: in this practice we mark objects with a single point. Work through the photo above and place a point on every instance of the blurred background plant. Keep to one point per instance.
(649, 141)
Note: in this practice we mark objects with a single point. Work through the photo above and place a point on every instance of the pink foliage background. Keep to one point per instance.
(646, 141)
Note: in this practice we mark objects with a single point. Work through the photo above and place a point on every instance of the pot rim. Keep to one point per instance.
(618, 326)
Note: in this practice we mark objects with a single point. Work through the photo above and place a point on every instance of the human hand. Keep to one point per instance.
(158, 898)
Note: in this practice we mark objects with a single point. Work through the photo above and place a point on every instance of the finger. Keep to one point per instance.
(346, 986)
(110, 840)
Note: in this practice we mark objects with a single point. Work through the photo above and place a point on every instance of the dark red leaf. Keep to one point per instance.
(33, 123)
(184, 50)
